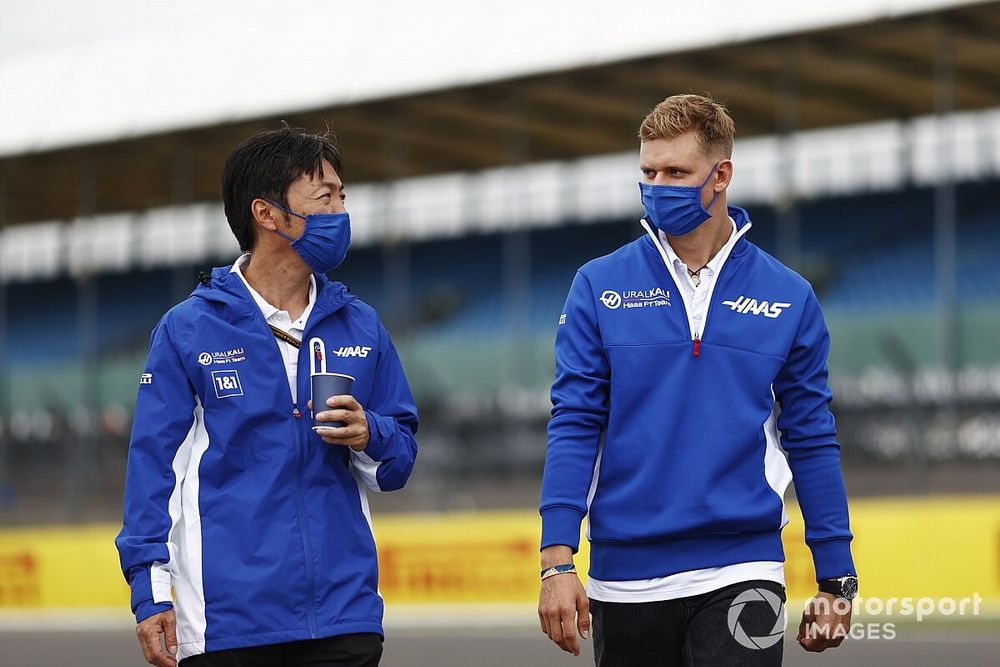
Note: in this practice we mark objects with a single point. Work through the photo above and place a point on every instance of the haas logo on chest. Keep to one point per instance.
(353, 351)
(748, 306)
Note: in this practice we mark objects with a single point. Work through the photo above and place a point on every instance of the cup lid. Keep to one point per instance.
(342, 375)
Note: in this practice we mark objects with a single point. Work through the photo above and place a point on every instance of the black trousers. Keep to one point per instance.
(360, 650)
(735, 625)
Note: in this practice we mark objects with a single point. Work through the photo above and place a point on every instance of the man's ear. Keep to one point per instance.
(725, 174)
(264, 215)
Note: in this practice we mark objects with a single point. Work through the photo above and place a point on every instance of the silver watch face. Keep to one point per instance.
(849, 588)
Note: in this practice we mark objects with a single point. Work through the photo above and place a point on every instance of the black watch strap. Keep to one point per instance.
(842, 587)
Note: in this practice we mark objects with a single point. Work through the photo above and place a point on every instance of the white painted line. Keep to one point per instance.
(65, 620)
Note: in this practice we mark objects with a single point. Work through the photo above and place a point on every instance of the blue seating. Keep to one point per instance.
(866, 253)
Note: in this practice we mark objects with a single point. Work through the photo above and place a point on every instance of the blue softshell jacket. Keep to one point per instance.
(259, 529)
(667, 438)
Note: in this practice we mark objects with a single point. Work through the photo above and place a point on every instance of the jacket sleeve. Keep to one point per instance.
(579, 418)
(166, 418)
(809, 435)
(386, 463)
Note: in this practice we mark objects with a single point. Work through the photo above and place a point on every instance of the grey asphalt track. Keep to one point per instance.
(518, 647)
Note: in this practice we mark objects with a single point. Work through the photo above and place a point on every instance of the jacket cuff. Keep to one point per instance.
(561, 526)
(380, 432)
(832, 558)
(147, 608)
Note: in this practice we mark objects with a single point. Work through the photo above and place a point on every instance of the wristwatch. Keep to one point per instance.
(842, 587)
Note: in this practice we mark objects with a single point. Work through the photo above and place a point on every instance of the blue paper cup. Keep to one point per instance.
(325, 385)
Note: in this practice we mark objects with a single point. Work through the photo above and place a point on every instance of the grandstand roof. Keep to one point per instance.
(137, 121)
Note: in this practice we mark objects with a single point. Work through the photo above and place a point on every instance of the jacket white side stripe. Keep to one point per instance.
(776, 469)
(367, 468)
(187, 540)
(361, 480)
(595, 477)
(162, 575)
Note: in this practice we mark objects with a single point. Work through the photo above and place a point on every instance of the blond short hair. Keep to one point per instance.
(678, 114)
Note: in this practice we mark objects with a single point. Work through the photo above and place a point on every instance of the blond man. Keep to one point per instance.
(690, 390)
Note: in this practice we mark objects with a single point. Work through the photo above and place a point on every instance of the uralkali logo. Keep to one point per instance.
(235, 355)
(654, 297)
(749, 306)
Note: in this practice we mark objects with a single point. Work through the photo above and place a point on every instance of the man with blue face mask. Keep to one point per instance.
(247, 538)
(689, 365)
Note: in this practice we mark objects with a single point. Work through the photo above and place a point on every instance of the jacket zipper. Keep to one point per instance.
(300, 501)
(695, 336)
(304, 523)
(300, 493)
(299, 482)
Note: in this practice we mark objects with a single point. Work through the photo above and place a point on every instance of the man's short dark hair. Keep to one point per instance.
(264, 167)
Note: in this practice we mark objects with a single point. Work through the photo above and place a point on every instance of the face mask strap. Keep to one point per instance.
(707, 179)
(276, 204)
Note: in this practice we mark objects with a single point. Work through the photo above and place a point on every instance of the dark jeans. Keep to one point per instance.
(360, 650)
(711, 629)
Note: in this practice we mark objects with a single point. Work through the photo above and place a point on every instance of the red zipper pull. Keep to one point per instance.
(697, 346)
(296, 413)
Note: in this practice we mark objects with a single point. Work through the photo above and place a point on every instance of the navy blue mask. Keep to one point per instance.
(676, 209)
(323, 245)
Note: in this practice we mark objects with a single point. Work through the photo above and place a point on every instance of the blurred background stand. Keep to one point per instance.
(867, 152)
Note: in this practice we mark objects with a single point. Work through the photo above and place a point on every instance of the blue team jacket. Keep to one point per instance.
(669, 443)
(261, 528)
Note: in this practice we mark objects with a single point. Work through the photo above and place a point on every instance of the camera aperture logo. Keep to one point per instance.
(757, 596)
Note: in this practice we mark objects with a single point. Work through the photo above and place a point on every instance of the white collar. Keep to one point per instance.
(266, 308)
(714, 264)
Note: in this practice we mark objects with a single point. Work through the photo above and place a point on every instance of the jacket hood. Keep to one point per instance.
(226, 288)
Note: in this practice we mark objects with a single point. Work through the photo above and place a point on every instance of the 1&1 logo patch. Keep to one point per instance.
(227, 383)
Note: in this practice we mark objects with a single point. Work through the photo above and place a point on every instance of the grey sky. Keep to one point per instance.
(129, 68)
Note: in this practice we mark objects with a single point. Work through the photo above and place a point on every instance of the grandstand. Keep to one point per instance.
(476, 328)
(478, 180)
